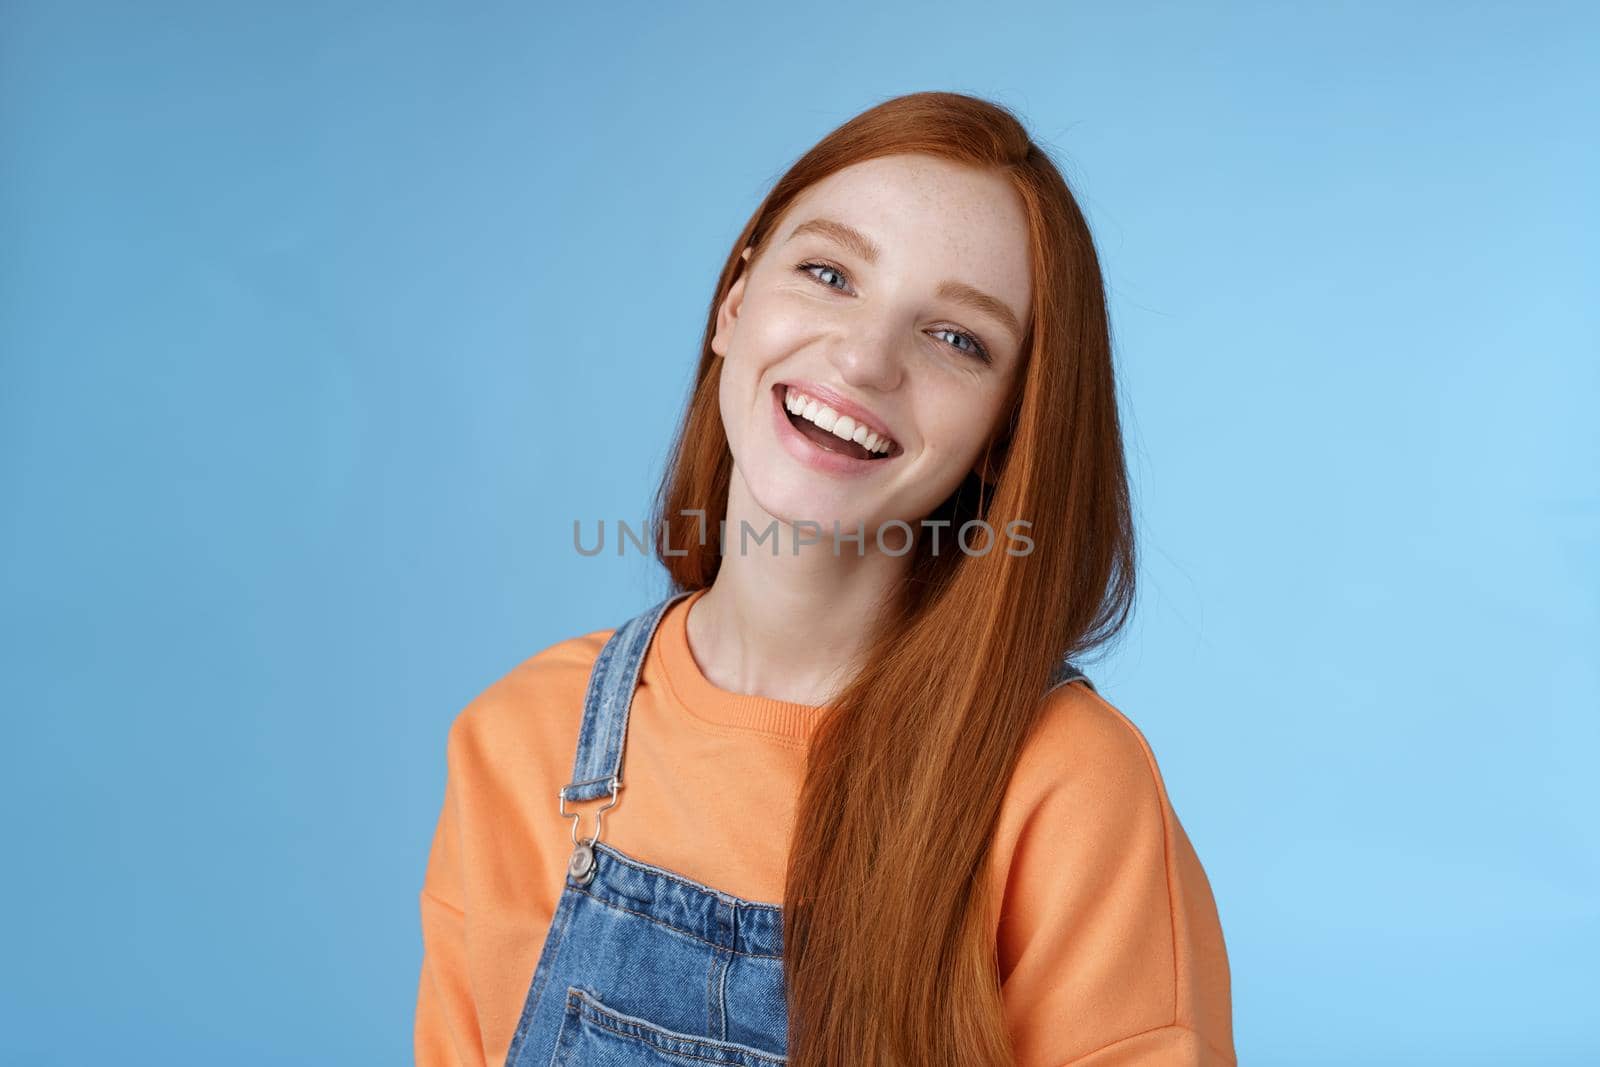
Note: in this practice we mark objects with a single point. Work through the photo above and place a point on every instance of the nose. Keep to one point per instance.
(869, 359)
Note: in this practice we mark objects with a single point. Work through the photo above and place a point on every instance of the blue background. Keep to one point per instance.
(320, 327)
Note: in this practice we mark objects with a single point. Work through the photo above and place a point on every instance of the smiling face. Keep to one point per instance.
(893, 295)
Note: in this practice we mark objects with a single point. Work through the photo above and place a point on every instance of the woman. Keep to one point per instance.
(870, 811)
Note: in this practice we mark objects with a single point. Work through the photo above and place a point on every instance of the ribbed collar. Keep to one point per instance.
(688, 687)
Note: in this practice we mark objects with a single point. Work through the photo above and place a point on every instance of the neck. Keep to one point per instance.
(788, 625)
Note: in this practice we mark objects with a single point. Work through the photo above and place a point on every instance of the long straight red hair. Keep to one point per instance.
(889, 930)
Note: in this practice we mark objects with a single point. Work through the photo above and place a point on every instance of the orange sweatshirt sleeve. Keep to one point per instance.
(1108, 941)
(446, 1030)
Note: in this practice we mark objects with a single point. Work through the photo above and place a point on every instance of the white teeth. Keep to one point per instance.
(842, 426)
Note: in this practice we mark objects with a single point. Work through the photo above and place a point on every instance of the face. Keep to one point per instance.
(893, 295)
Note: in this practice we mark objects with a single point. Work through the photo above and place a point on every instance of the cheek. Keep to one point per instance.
(771, 327)
(733, 397)
(956, 422)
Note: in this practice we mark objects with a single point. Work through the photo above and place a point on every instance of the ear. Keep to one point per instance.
(728, 310)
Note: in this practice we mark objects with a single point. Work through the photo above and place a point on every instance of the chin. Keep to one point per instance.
(792, 497)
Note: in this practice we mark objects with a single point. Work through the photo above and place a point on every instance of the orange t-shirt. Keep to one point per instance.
(1109, 945)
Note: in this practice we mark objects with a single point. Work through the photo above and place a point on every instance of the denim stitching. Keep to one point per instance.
(641, 866)
(669, 926)
(602, 1016)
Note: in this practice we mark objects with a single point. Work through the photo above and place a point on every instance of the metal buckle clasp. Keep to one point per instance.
(582, 864)
(561, 795)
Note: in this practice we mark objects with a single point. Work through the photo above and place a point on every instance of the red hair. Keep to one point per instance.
(889, 931)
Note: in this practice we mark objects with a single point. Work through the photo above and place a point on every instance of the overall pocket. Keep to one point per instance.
(592, 1033)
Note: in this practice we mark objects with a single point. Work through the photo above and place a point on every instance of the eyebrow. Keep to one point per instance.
(957, 292)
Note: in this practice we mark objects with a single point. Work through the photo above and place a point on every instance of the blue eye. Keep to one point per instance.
(809, 267)
(977, 348)
(977, 351)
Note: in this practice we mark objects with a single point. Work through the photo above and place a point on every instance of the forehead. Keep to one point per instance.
(929, 216)
(919, 182)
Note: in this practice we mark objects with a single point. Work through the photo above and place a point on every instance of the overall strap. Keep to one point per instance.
(1065, 672)
(597, 768)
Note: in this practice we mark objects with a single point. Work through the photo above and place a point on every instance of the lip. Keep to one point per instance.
(808, 452)
(861, 415)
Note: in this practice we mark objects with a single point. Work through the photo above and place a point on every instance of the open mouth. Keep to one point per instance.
(831, 431)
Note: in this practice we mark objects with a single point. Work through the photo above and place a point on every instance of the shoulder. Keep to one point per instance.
(518, 707)
(1085, 745)
(1087, 805)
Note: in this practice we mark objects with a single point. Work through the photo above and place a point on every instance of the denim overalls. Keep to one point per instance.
(642, 965)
